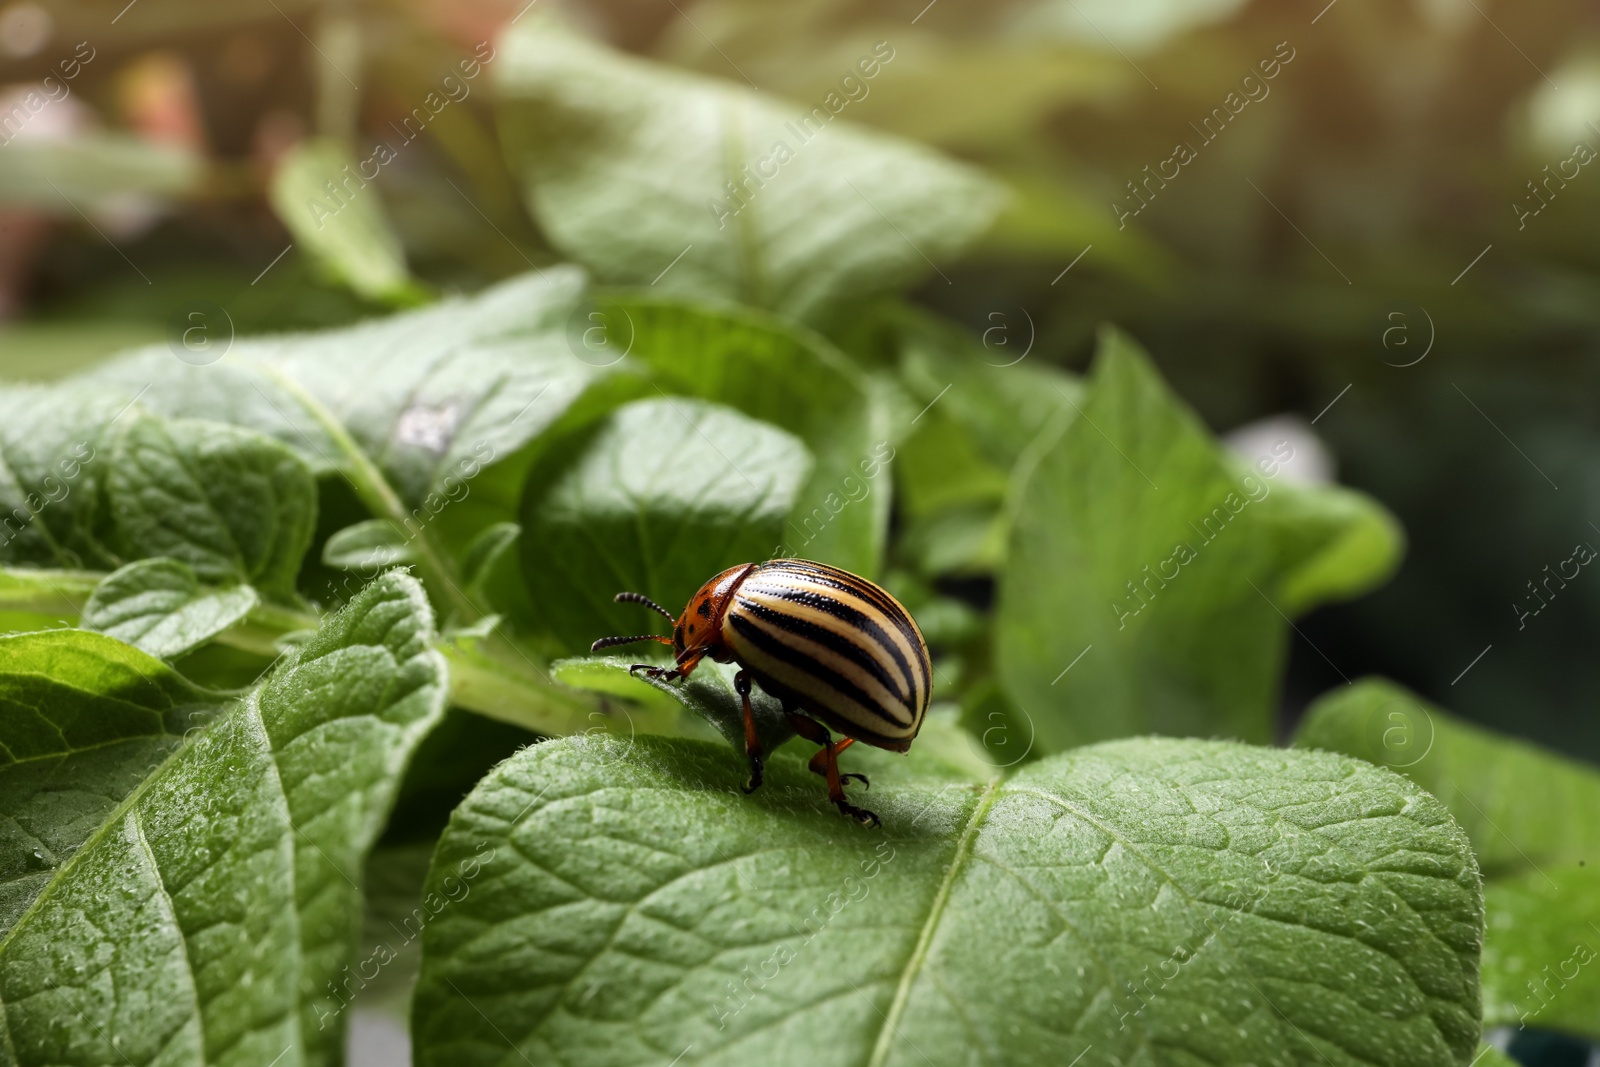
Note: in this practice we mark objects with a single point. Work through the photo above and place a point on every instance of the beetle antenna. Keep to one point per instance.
(608, 642)
(640, 598)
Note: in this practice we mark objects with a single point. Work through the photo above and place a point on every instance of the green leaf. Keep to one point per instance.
(1522, 806)
(1336, 543)
(656, 498)
(374, 544)
(53, 460)
(1154, 900)
(83, 720)
(160, 607)
(219, 864)
(981, 405)
(428, 397)
(987, 385)
(793, 379)
(708, 692)
(627, 166)
(1541, 948)
(46, 592)
(58, 174)
(319, 193)
(234, 505)
(1534, 820)
(1141, 546)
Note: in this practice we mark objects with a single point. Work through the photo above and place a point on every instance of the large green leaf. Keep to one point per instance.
(160, 606)
(656, 498)
(1151, 901)
(793, 379)
(429, 398)
(83, 720)
(633, 170)
(1534, 820)
(1140, 545)
(89, 477)
(1522, 806)
(189, 896)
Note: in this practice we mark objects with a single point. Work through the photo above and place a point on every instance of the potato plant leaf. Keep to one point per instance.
(708, 693)
(233, 504)
(83, 720)
(656, 498)
(349, 234)
(429, 398)
(375, 544)
(776, 372)
(160, 607)
(1140, 545)
(642, 174)
(1151, 900)
(53, 458)
(1534, 820)
(199, 905)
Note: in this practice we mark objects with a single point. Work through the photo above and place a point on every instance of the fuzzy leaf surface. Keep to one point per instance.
(1144, 901)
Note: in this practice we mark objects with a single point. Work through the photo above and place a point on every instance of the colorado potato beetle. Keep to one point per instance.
(833, 648)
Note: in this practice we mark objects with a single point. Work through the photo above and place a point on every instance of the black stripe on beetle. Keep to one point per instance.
(897, 683)
(831, 646)
(859, 627)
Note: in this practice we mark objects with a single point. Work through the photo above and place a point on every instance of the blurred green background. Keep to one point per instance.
(1394, 223)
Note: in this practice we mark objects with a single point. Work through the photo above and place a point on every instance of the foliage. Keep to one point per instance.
(1531, 817)
(1183, 898)
(220, 685)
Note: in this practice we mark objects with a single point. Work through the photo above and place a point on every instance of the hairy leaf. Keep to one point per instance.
(429, 397)
(793, 379)
(1151, 901)
(203, 907)
(1534, 820)
(375, 544)
(1140, 546)
(652, 176)
(160, 607)
(1522, 806)
(233, 504)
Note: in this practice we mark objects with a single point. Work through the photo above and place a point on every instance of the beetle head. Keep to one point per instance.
(700, 624)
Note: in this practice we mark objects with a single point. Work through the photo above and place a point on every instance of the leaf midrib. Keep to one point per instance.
(919, 953)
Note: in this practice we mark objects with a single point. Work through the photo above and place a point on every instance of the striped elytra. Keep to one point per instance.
(834, 649)
(836, 645)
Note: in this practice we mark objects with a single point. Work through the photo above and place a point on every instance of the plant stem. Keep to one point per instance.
(379, 496)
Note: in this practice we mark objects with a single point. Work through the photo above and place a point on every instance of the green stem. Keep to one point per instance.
(379, 496)
(492, 676)
(46, 592)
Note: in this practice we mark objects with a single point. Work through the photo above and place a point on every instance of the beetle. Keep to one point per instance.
(835, 650)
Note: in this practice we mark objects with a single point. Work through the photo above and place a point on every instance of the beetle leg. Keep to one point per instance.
(689, 661)
(812, 730)
(665, 674)
(752, 740)
(819, 764)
